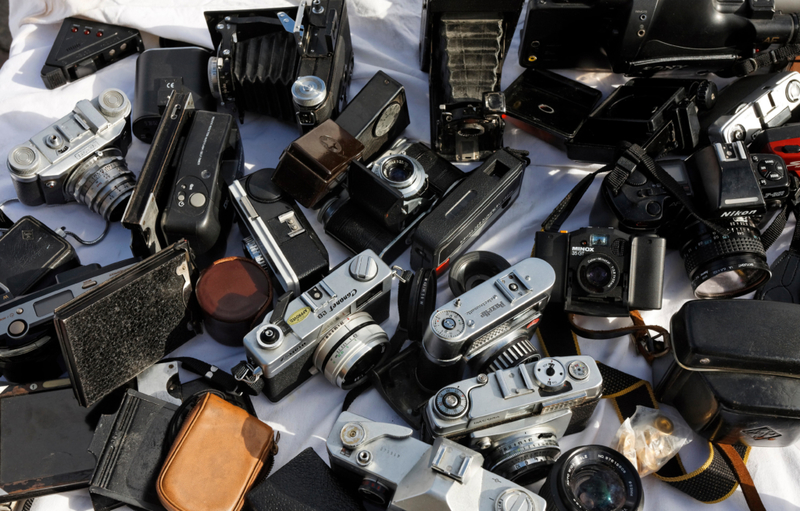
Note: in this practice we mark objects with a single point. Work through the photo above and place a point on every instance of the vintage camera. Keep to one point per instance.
(659, 114)
(277, 234)
(333, 328)
(80, 157)
(377, 115)
(515, 417)
(387, 199)
(463, 48)
(401, 473)
(294, 64)
(466, 212)
(770, 104)
(642, 37)
(487, 328)
(29, 349)
(182, 191)
(604, 272)
(159, 72)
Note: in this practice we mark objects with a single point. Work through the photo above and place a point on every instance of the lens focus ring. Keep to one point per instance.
(104, 183)
(743, 239)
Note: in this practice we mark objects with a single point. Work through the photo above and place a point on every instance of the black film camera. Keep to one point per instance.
(463, 48)
(294, 64)
(182, 191)
(646, 36)
(159, 72)
(604, 272)
(387, 200)
(278, 236)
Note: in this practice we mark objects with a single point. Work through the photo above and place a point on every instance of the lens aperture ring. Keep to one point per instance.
(102, 182)
(743, 238)
(348, 351)
(522, 454)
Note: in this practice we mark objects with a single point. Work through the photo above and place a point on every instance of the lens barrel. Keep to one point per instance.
(593, 478)
(103, 182)
(350, 350)
(725, 266)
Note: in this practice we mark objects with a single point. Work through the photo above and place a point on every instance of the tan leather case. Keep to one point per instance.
(216, 457)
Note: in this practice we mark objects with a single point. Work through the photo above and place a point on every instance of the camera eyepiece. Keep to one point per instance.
(593, 478)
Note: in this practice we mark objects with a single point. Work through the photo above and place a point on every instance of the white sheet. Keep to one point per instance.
(385, 36)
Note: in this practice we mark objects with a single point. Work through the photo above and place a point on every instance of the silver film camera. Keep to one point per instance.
(768, 106)
(333, 328)
(403, 473)
(80, 158)
(514, 417)
(487, 328)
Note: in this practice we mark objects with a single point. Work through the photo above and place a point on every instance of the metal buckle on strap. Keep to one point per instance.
(248, 373)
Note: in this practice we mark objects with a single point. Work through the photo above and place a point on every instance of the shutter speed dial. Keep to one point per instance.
(550, 374)
(447, 324)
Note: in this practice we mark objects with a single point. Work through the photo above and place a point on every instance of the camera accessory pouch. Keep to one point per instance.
(304, 484)
(215, 459)
(128, 323)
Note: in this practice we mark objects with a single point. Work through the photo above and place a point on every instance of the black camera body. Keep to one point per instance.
(294, 64)
(277, 233)
(642, 37)
(159, 72)
(604, 272)
(388, 199)
(182, 192)
(465, 213)
(659, 114)
(464, 44)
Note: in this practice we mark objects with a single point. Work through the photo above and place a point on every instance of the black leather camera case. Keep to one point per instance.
(734, 371)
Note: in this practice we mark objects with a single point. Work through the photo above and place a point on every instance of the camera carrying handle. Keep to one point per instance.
(633, 158)
(725, 467)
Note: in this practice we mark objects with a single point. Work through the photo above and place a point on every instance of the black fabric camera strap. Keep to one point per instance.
(213, 373)
(745, 67)
(715, 480)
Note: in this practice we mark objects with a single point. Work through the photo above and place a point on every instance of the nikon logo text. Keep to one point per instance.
(748, 212)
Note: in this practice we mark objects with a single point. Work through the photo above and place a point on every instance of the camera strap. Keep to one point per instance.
(225, 381)
(778, 56)
(633, 158)
(723, 470)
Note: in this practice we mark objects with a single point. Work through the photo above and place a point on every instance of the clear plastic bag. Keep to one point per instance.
(651, 437)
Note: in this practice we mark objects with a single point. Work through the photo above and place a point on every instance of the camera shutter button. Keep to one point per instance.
(514, 499)
(197, 200)
(363, 268)
(17, 328)
(636, 179)
(653, 208)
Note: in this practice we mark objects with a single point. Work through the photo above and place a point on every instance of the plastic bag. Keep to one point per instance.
(651, 437)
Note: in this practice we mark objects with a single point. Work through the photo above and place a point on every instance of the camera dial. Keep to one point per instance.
(270, 337)
(448, 324)
(451, 403)
(550, 374)
(309, 91)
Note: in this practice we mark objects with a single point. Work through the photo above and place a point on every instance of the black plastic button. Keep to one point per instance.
(653, 208)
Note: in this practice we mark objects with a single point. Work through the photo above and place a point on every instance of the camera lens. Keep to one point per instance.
(104, 183)
(349, 350)
(525, 457)
(597, 275)
(403, 173)
(593, 478)
(725, 266)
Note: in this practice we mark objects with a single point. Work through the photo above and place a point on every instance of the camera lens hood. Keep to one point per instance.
(593, 478)
(474, 268)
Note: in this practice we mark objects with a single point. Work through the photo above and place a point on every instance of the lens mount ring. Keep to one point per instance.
(401, 172)
(598, 275)
(508, 349)
(524, 457)
(102, 182)
(589, 476)
(348, 351)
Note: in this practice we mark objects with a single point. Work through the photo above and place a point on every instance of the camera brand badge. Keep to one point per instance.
(762, 433)
(579, 251)
(298, 316)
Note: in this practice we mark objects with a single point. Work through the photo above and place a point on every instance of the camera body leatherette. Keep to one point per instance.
(734, 371)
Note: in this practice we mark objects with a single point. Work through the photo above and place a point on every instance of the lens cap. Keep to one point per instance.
(260, 187)
(473, 269)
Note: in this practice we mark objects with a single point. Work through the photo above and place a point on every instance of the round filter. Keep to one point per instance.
(234, 294)
(309, 91)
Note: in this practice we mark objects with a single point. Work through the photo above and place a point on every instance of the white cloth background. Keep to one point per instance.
(385, 36)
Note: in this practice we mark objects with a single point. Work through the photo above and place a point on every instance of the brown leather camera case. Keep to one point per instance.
(215, 458)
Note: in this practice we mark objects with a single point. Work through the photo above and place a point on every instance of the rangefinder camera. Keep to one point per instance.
(514, 417)
(604, 272)
(388, 199)
(402, 473)
(487, 328)
(290, 63)
(80, 157)
(767, 106)
(333, 328)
